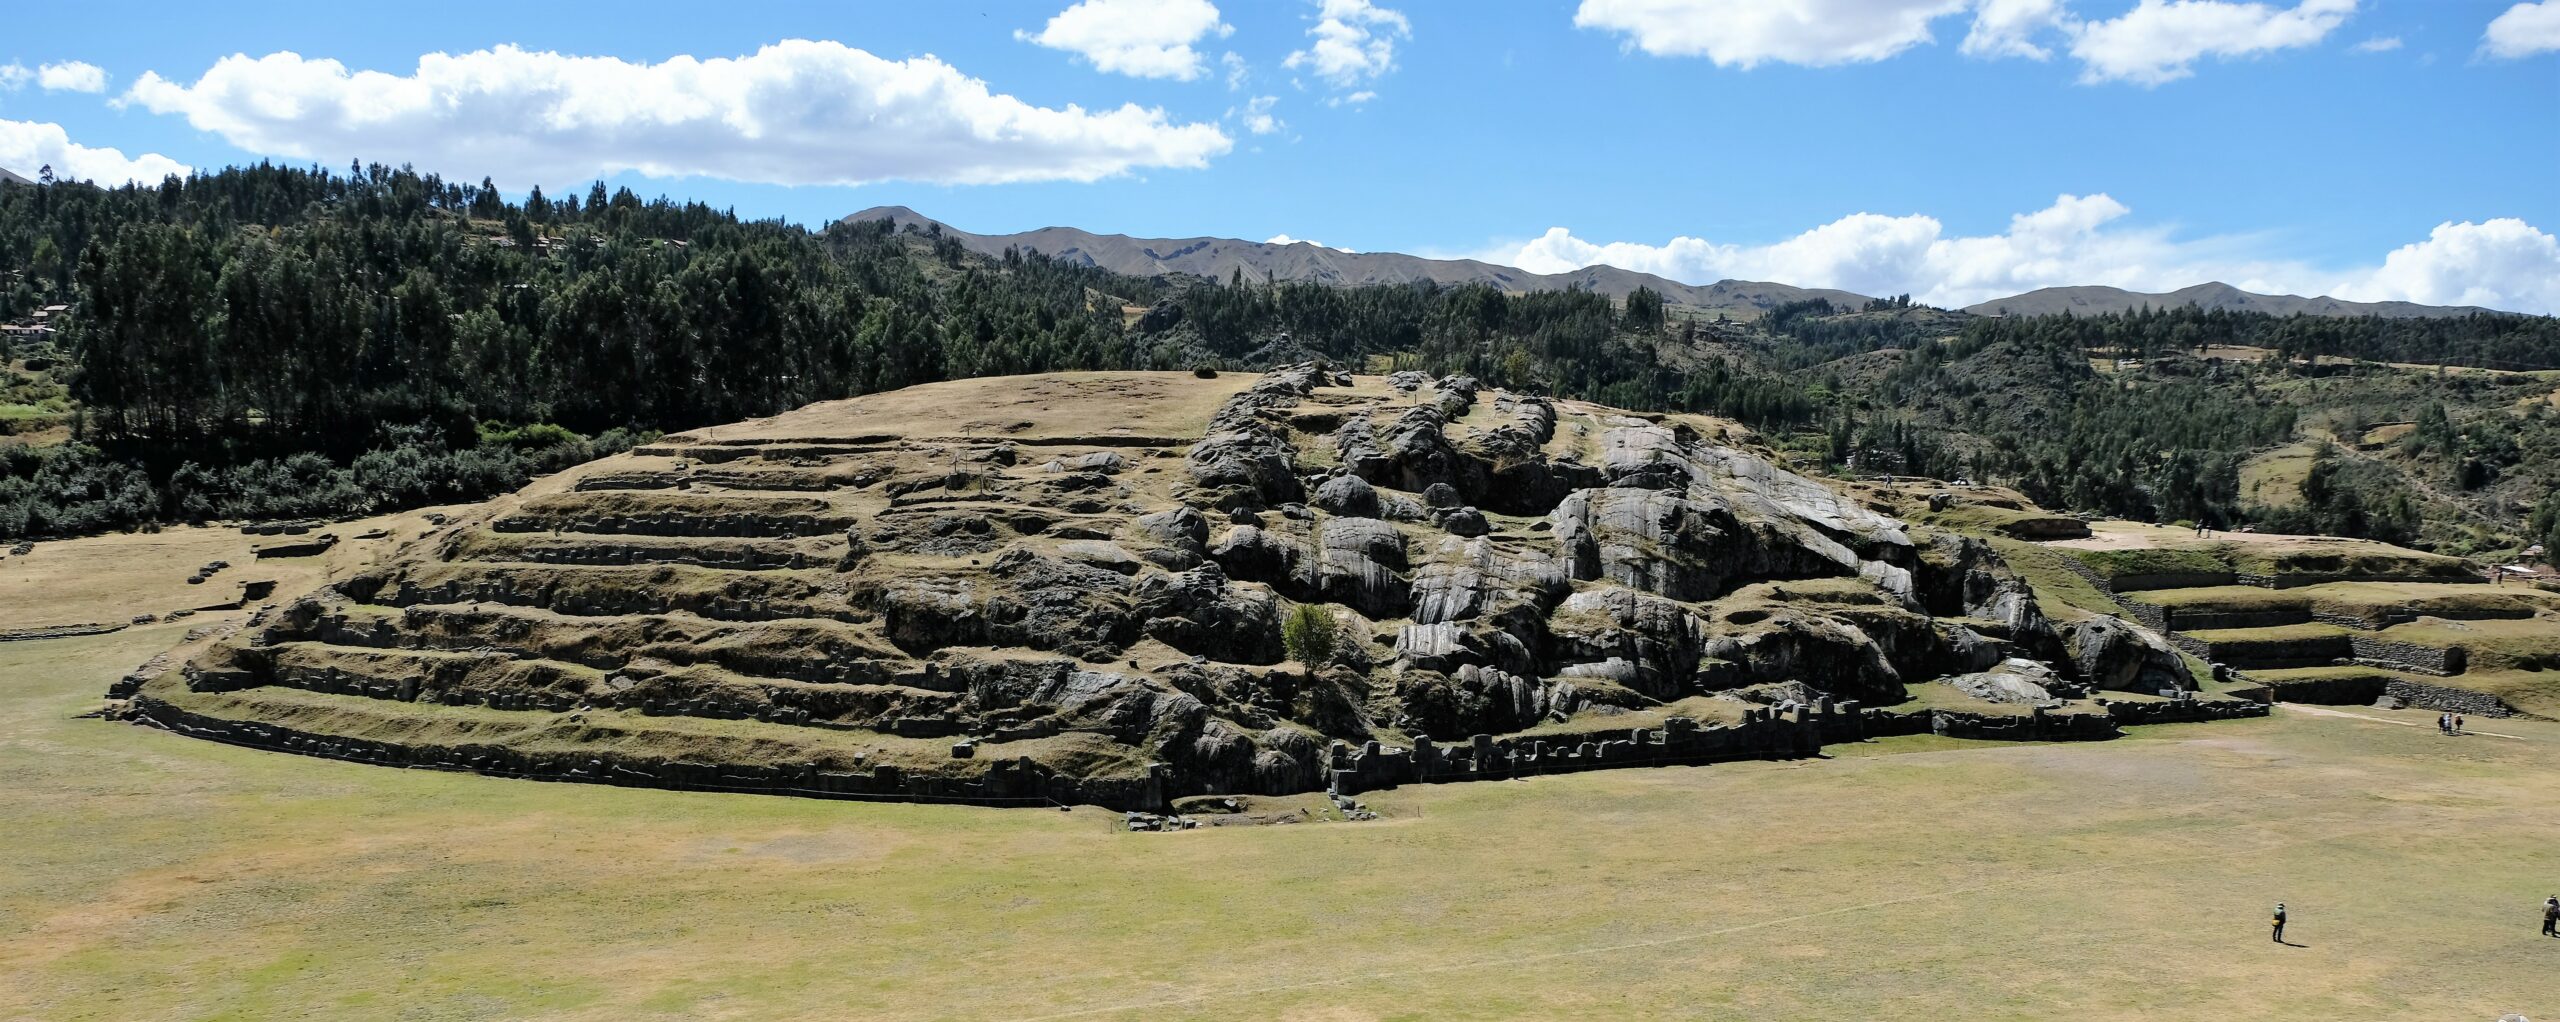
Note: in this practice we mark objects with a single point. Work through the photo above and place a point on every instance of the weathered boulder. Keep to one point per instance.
(1347, 495)
(1484, 700)
(1244, 461)
(1176, 540)
(2110, 653)
(2024, 682)
(1350, 561)
(1822, 651)
(1358, 561)
(1105, 462)
(1414, 452)
(1663, 640)
(1686, 545)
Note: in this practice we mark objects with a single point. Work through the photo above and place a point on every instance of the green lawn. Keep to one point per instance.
(154, 877)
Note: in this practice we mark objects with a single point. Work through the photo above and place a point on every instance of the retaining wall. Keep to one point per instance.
(2207, 621)
(2402, 656)
(2180, 711)
(1013, 782)
(2439, 697)
(1764, 733)
(2173, 580)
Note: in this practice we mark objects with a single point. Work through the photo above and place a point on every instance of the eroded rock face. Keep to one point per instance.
(2109, 653)
(1096, 614)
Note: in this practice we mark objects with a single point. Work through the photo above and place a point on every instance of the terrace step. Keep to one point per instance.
(722, 594)
(505, 682)
(806, 649)
(609, 549)
(652, 513)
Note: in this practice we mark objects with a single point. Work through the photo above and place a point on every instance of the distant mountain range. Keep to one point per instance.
(2090, 301)
(8, 177)
(1218, 258)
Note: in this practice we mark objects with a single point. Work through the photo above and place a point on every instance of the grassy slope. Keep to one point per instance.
(154, 877)
(2274, 478)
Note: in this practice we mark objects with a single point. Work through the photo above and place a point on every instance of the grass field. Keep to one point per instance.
(156, 877)
(2274, 478)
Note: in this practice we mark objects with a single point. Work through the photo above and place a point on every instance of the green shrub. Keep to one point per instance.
(1311, 635)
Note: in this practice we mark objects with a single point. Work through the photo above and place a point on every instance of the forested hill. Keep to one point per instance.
(1308, 262)
(270, 341)
(2215, 296)
(1304, 262)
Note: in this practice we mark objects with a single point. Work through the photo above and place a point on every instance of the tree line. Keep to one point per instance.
(275, 340)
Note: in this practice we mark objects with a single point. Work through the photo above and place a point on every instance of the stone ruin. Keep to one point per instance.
(1048, 617)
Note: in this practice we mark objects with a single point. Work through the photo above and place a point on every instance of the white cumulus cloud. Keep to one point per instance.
(15, 76)
(1140, 38)
(72, 76)
(2009, 28)
(1257, 116)
(29, 146)
(2161, 40)
(2154, 42)
(1747, 33)
(1284, 239)
(2502, 264)
(2079, 239)
(795, 112)
(1355, 41)
(2524, 30)
(2377, 44)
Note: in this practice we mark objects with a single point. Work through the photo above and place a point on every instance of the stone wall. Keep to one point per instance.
(2361, 690)
(2034, 726)
(57, 632)
(2438, 697)
(2206, 620)
(2180, 711)
(1764, 733)
(1013, 782)
(2271, 654)
(2173, 580)
(2403, 656)
(2301, 579)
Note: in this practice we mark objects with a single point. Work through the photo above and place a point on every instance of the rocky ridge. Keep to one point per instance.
(840, 601)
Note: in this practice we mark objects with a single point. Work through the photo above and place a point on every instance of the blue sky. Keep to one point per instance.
(2371, 148)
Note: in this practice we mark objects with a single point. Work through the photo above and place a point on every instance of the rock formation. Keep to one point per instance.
(827, 602)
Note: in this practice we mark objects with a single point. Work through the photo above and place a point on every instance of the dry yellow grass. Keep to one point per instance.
(110, 579)
(1052, 405)
(155, 877)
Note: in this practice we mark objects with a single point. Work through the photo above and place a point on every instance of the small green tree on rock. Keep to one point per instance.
(1311, 635)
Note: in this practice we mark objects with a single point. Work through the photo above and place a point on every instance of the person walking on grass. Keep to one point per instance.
(2551, 916)
(2279, 923)
(2457, 723)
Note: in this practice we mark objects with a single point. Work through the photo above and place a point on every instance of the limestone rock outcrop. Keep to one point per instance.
(945, 593)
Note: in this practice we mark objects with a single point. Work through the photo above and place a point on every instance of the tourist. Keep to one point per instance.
(2279, 923)
(2457, 723)
(2444, 723)
(2551, 916)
